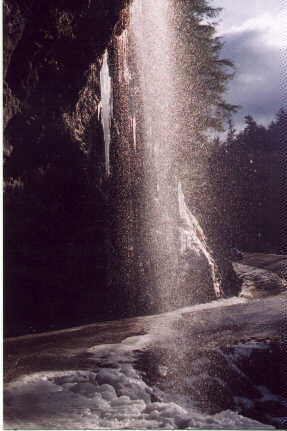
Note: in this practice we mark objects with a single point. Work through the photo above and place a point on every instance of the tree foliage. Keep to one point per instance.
(205, 73)
(247, 172)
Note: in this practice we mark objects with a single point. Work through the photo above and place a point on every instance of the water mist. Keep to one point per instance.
(160, 241)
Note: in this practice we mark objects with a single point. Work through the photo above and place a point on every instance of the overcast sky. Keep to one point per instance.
(254, 41)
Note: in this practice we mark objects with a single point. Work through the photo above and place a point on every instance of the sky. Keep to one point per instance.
(254, 41)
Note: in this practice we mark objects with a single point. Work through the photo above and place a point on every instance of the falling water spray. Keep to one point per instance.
(175, 229)
(160, 241)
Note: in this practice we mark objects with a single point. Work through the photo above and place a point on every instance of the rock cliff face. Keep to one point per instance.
(56, 186)
(68, 260)
(52, 59)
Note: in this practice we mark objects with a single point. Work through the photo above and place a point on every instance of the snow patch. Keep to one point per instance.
(105, 398)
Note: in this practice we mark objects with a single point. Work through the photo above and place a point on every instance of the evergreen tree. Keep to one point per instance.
(247, 173)
(277, 131)
(254, 137)
(206, 74)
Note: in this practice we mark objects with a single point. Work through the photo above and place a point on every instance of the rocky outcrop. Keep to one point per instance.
(77, 239)
(261, 274)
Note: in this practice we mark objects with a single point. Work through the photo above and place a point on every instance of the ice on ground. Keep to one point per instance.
(112, 394)
(105, 398)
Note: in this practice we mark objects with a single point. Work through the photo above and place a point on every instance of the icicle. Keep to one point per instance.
(134, 126)
(124, 69)
(107, 107)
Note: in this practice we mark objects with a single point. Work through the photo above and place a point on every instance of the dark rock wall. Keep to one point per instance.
(52, 58)
(56, 198)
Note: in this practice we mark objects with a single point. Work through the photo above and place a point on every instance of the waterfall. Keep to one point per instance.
(107, 107)
(161, 244)
(152, 44)
(176, 231)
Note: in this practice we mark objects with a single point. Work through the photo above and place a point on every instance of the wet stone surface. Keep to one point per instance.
(246, 378)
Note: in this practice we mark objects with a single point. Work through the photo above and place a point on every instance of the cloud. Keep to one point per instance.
(246, 12)
(255, 47)
(268, 26)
